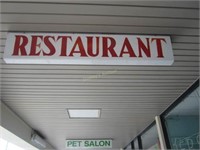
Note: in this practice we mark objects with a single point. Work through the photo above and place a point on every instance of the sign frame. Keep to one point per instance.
(88, 49)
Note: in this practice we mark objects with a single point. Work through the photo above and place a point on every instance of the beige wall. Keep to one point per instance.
(13, 123)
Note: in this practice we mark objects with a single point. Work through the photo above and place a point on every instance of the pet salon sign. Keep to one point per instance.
(89, 144)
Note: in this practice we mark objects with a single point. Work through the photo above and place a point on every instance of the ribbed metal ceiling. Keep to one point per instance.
(129, 96)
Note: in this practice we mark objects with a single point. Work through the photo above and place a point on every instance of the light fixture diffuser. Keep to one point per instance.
(83, 113)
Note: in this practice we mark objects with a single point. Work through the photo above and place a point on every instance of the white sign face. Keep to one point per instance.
(89, 144)
(91, 49)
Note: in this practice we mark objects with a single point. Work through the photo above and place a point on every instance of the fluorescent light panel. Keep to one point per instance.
(84, 113)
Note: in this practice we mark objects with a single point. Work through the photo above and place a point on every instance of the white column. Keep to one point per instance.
(160, 133)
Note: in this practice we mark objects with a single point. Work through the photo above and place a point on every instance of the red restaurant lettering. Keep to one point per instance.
(128, 47)
(92, 48)
(20, 43)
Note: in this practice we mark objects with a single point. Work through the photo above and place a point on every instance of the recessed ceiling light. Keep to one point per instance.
(83, 113)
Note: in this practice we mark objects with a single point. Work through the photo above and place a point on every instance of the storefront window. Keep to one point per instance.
(129, 147)
(182, 123)
(150, 139)
(136, 145)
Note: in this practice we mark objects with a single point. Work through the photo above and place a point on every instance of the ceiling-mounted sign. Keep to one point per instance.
(106, 143)
(91, 49)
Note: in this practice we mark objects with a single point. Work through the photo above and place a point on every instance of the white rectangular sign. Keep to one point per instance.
(89, 144)
(91, 49)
